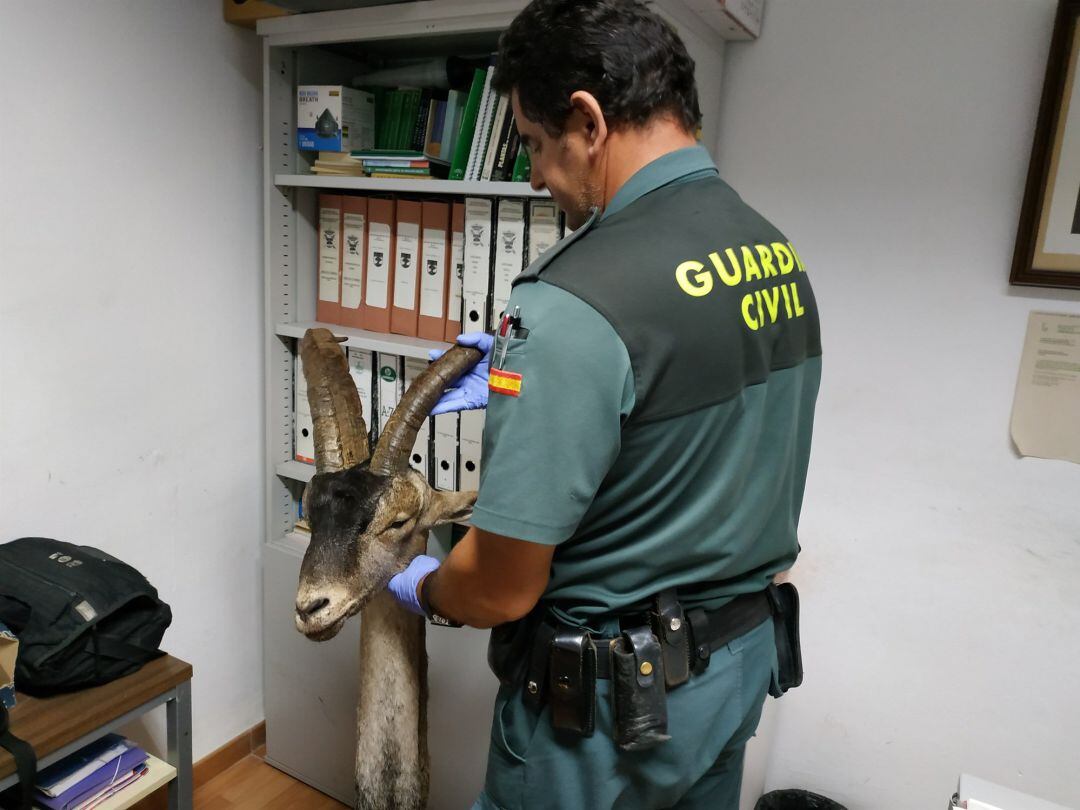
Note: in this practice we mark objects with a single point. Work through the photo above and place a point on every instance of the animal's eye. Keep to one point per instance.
(399, 524)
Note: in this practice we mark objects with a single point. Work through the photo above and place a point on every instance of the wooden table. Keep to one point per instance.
(58, 725)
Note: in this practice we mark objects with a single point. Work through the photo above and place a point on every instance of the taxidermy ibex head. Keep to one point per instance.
(369, 517)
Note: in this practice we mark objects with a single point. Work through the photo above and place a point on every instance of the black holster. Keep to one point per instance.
(784, 600)
(638, 692)
(572, 681)
(509, 646)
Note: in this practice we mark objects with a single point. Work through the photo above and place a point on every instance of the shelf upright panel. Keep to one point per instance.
(280, 256)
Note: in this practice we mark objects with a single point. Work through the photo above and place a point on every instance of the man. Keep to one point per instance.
(648, 433)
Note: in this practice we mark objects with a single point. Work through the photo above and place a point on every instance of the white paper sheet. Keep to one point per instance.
(1046, 410)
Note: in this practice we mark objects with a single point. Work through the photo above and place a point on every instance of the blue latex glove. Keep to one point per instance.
(472, 389)
(403, 586)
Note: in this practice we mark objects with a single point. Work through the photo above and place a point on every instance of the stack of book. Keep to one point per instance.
(465, 133)
(85, 779)
(399, 163)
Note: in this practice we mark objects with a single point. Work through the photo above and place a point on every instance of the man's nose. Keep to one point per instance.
(536, 180)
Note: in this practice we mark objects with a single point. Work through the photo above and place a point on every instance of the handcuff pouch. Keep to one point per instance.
(638, 693)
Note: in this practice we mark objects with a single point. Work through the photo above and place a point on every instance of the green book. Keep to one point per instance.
(380, 94)
(468, 126)
(522, 167)
(410, 108)
(393, 118)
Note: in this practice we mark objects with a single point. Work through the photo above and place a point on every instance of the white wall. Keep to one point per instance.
(890, 140)
(131, 314)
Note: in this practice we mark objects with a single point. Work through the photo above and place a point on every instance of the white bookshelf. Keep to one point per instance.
(385, 185)
(296, 471)
(310, 688)
(362, 339)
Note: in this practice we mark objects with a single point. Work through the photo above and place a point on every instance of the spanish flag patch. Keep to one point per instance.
(504, 382)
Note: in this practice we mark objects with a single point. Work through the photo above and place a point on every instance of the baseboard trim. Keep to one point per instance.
(226, 756)
(213, 764)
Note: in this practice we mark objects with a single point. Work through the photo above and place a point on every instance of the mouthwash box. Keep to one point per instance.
(334, 118)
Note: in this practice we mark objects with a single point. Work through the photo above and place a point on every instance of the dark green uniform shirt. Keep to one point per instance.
(655, 420)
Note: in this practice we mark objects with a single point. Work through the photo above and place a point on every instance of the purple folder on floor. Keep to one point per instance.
(114, 771)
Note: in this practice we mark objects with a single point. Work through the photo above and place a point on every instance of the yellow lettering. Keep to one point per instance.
(766, 260)
(747, 302)
(751, 265)
(760, 313)
(702, 283)
(783, 258)
(799, 311)
(733, 278)
(773, 304)
(802, 267)
(787, 300)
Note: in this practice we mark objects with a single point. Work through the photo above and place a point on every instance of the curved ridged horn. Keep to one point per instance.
(396, 442)
(341, 439)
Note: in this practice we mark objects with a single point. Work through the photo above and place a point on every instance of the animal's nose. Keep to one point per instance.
(309, 607)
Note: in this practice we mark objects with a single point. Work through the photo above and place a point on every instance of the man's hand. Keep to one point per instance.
(472, 389)
(405, 587)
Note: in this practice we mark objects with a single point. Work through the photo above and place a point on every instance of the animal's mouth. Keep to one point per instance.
(329, 623)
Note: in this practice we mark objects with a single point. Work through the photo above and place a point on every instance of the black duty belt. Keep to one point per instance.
(559, 664)
(706, 630)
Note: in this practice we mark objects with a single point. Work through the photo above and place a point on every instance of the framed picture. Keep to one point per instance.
(1048, 241)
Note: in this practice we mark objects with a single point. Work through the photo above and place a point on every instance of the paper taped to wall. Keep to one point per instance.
(1044, 418)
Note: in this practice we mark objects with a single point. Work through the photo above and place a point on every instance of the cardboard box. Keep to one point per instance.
(9, 651)
(733, 19)
(334, 118)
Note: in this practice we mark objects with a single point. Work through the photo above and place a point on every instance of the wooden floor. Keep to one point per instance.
(251, 784)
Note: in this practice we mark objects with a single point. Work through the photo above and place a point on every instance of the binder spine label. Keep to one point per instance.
(352, 263)
(543, 228)
(378, 265)
(329, 254)
(361, 367)
(389, 387)
(433, 283)
(457, 266)
(303, 425)
(408, 248)
(477, 246)
(508, 253)
(446, 448)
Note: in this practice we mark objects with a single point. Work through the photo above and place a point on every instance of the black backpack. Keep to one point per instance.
(82, 617)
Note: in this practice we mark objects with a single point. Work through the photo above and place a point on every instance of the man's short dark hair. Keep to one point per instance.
(622, 52)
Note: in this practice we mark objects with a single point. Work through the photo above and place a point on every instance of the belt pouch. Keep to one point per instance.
(572, 681)
(638, 690)
(784, 600)
(669, 626)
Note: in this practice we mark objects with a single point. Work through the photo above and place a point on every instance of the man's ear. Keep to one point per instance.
(448, 507)
(593, 121)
